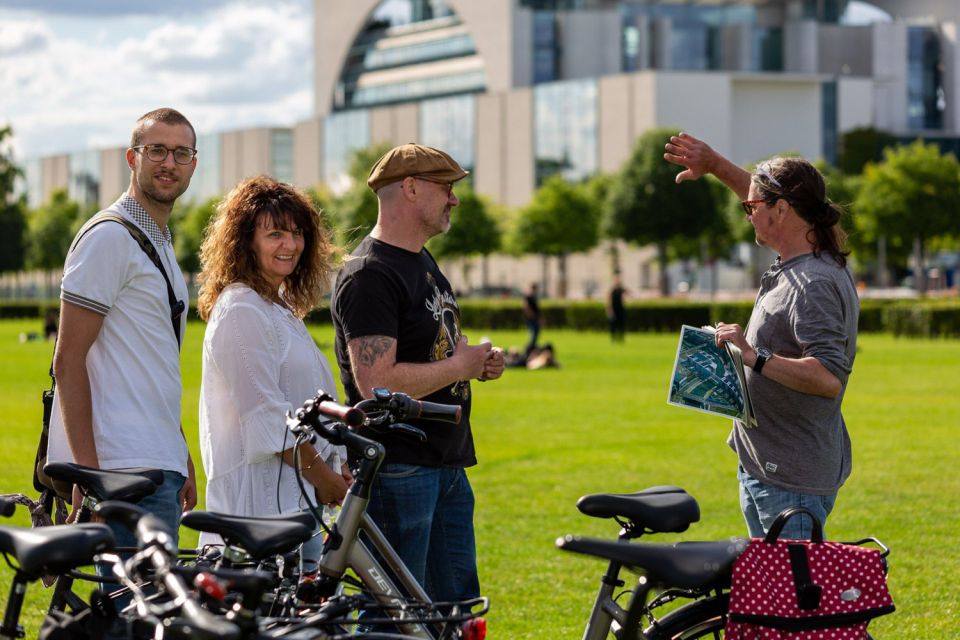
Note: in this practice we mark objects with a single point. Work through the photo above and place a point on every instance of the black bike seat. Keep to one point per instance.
(663, 509)
(687, 565)
(55, 549)
(260, 537)
(129, 485)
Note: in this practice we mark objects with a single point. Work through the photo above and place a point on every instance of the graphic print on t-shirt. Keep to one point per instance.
(446, 312)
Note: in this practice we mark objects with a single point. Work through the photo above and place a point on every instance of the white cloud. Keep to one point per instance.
(242, 64)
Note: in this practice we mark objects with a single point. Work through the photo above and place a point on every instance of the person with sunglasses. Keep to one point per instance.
(801, 341)
(117, 358)
(397, 325)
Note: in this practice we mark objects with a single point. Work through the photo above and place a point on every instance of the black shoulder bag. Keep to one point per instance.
(41, 481)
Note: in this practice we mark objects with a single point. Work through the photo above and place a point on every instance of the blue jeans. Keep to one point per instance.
(426, 513)
(164, 503)
(761, 503)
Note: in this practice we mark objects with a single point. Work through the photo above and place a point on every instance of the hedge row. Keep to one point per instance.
(913, 318)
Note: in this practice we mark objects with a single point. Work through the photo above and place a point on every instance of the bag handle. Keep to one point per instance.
(788, 513)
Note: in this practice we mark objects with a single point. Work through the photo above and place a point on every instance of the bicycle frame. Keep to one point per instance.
(344, 549)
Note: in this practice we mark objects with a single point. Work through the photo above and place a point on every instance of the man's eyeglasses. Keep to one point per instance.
(446, 186)
(750, 206)
(158, 153)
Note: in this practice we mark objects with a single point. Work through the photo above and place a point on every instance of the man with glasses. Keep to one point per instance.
(800, 343)
(398, 326)
(117, 359)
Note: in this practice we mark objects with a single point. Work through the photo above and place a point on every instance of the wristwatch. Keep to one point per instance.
(763, 354)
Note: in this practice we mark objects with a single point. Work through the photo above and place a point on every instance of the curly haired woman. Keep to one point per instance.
(266, 258)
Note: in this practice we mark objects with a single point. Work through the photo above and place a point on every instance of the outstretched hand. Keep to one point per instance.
(694, 154)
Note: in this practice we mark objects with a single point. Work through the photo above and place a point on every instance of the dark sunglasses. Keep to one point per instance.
(750, 206)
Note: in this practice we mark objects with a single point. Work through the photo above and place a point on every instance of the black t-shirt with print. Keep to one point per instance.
(383, 290)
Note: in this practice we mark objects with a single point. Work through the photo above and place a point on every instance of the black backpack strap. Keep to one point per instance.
(177, 307)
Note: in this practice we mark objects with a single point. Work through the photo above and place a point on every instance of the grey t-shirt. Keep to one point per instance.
(806, 307)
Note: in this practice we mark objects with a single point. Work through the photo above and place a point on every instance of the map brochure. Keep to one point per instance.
(708, 378)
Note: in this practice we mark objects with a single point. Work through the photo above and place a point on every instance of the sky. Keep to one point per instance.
(76, 74)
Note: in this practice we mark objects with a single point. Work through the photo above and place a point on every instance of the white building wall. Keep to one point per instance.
(699, 103)
(890, 74)
(800, 42)
(590, 44)
(855, 106)
(771, 115)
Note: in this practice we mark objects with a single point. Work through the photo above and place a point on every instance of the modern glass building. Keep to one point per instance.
(518, 90)
(523, 89)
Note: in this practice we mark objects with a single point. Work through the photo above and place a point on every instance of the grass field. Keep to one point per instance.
(601, 423)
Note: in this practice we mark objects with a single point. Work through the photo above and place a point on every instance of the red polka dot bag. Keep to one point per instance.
(806, 589)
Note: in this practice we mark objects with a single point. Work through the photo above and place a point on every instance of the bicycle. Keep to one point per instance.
(696, 573)
(354, 542)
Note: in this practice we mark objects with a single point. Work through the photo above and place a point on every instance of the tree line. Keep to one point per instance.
(903, 203)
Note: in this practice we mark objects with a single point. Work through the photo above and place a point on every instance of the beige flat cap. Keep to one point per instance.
(414, 160)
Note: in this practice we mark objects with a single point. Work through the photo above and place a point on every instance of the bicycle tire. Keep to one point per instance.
(701, 619)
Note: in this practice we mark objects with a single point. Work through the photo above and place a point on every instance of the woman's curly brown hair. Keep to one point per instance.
(226, 255)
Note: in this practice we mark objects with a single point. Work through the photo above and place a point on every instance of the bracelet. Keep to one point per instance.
(313, 461)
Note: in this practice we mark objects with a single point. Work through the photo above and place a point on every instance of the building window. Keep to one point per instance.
(281, 155)
(926, 100)
(565, 133)
(343, 133)
(450, 124)
(83, 182)
(829, 121)
(408, 51)
(546, 52)
(205, 183)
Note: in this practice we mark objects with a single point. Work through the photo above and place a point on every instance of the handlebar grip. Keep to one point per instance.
(7, 507)
(345, 414)
(436, 411)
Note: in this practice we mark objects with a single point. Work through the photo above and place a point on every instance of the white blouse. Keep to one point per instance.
(259, 362)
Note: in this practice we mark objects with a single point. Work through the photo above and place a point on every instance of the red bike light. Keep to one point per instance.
(209, 586)
(475, 629)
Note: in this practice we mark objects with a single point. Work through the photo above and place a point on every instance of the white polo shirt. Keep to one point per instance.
(134, 364)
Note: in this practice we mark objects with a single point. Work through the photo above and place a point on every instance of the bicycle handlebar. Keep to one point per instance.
(7, 507)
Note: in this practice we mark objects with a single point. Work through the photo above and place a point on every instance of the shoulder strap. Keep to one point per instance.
(177, 307)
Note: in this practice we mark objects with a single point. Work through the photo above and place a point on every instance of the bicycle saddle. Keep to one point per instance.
(129, 486)
(260, 537)
(687, 565)
(54, 550)
(661, 509)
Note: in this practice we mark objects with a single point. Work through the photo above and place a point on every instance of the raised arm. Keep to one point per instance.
(699, 158)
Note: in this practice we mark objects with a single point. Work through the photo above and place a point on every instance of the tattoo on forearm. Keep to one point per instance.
(372, 348)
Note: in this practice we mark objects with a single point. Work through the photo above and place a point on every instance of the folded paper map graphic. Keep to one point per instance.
(710, 378)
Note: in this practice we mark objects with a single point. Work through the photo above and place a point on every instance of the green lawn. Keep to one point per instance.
(601, 423)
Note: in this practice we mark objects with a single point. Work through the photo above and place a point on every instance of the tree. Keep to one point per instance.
(356, 210)
(647, 206)
(12, 212)
(473, 230)
(559, 220)
(50, 231)
(910, 198)
(860, 146)
(190, 225)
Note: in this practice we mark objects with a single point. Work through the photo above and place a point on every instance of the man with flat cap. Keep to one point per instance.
(398, 326)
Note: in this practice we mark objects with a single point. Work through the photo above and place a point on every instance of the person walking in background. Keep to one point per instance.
(531, 315)
(398, 326)
(799, 346)
(616, 311)
(265, 260)
(117, 359)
